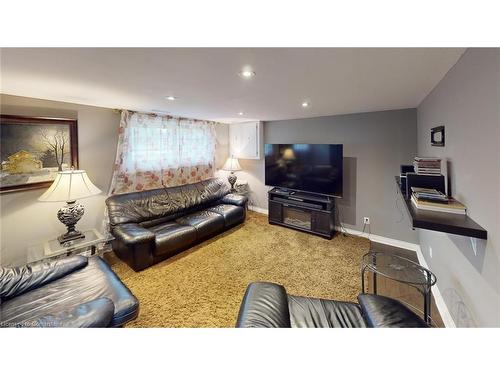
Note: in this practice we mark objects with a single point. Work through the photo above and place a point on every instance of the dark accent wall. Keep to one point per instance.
(375, 145)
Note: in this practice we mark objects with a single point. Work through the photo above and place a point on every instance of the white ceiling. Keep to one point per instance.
(206, 81)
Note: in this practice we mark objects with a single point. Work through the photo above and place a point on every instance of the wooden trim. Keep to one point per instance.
(73, 135)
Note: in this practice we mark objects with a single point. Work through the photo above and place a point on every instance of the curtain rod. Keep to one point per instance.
(116, 110)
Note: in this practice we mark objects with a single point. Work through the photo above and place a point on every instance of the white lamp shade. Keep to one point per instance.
(69, 186)
(231, 164)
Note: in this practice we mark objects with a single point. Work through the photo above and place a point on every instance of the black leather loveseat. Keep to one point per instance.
(71, 292)
(150, 226)
(267, 305)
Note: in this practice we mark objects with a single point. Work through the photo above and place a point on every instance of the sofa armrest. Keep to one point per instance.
(18, 280)
(264, 305)
(94, 314)
(132, 234)
(236, 199)
(385, 312)
(134, 244)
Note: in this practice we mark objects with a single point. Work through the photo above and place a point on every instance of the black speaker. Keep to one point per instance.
(424, 181)
(406, 169)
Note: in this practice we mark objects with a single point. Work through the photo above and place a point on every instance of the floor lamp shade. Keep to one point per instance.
(68, 187)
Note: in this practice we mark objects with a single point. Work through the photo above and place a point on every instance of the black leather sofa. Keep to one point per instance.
(150, 226)
(71, 292)
(267, 305)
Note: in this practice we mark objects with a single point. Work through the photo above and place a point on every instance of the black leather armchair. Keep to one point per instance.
(70, 292)
(267, 305)
(150, 226)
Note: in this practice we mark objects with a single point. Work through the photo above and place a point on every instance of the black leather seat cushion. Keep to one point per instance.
(380, 312)
(172, 237)
(205, 222)
(265, 305)
(18, 280)
(232, 214)
(94, 281)
(94, 314)
(308, 312)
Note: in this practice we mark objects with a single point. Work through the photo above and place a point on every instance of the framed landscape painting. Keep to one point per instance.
(34, 149)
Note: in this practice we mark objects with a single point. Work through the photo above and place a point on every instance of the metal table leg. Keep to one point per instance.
(363, 280)
(427, 305)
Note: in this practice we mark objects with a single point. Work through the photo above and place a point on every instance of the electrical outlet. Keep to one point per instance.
(366, 220)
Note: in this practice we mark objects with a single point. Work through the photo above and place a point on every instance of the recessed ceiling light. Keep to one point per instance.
(247, 73)
(240, 113)
(305, 104)
(170, 97)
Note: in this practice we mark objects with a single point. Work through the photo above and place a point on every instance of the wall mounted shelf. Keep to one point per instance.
(461, 225)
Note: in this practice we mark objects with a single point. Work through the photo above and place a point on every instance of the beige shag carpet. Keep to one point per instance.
(203, 286)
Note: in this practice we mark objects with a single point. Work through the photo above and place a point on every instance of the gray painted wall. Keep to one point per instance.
(375, 145)
(25, 221)
(467, 103)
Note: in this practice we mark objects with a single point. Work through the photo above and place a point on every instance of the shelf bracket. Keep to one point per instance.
(473, 242)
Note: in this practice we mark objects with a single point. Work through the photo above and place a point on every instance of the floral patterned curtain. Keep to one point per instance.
(155, 151)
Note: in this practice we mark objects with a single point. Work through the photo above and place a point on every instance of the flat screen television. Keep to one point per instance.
(315, 168)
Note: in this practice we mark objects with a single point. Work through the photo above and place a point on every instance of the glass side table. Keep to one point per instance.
(52, 249)
(400, 269)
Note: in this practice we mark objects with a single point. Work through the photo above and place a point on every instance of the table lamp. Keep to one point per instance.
(68, 187)
(232, 165)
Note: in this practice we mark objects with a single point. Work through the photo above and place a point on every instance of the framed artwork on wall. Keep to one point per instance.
(34, 149)
(437, 136)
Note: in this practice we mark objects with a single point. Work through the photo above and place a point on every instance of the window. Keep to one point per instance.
(155, 151)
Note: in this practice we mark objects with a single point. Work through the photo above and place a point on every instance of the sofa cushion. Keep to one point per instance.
(381, 311)
(205, 222)
(308, 312)
(94, 314)
(150, 205)
(232, 214)
(18, 280)
(96, 280)
(172, 237)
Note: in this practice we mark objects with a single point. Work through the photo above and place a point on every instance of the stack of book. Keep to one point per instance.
(434, 200)
(428, 166)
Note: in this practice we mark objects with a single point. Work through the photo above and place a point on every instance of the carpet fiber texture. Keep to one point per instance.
(203, 286)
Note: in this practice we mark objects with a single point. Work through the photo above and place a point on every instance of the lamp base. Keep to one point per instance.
(232, 180)
(70, 236)
(69, 216)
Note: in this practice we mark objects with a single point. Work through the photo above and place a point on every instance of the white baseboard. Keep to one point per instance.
(438, 298)
(259, 210)
(384, 240)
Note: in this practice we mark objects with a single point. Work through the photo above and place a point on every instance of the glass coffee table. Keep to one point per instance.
(400, 269)
(52, 249)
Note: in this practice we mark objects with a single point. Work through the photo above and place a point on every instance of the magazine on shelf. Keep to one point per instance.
(452, 206)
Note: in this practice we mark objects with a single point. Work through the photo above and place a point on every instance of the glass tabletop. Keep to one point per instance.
(52, 248)
(92, 237)
(398, 268)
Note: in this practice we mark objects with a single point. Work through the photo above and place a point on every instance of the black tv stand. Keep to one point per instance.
(307, 212)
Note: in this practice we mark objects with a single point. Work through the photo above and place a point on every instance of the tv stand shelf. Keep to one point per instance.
(458, 224)
(307, 212)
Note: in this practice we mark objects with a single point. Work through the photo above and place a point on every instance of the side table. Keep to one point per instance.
(400, 269)
(52, 249)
